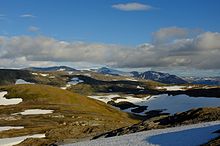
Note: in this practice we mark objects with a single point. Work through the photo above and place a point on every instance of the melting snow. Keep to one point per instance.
(87, 74)
(21, 81)
(44, 75)
(75, 81)
(4, 128)
(34, 112)
(61, 69)
(131, 79)
(17, 140)
(170, 104)
(36, 74)
(139, 87)
(179, 103)
(172, 88)
(105, 98)
(5, 101)
(192, 135)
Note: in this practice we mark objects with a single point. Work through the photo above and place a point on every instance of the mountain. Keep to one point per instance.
(215, 81)
(105, 70)
(53, 68)
(148, 75)
(160, 77)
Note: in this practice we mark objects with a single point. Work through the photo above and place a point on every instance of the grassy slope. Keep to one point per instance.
(73, 107)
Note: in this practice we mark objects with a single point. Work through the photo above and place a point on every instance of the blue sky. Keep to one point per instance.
(137, 34)
(97, 21)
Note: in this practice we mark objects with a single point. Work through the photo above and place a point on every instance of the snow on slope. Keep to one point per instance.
(5, 128)
(190, 135)
(5, 101)
(172, 88)
(73, 81)
(21, 81)
(34, 112)
(16, 140)
(169, 104)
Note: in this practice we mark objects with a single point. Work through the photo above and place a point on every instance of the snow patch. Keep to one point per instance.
(21, 81)
(17, 140)
(87, 74)
(61, 69)
(172, 88)
(104, 98)
(131, 79)
(5, 128)
(139, 87)
(5, 101)
(75, 81)
(33, 73)
(51, 77)
(34, 112)
(179, 103)
(192, 135)
(169, 104)
(44, 75)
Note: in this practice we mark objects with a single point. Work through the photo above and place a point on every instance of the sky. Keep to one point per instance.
(116, 33)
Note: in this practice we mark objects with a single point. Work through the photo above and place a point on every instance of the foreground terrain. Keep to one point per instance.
(61, 105)
(70, 116)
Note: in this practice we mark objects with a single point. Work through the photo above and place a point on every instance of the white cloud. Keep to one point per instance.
(200, 51)
(132, 7)
(33, 29)
(170, 33)
(27, 16)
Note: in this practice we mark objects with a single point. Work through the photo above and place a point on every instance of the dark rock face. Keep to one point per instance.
(122, 105)
(139, 109)
(9, 76)
(160, 77)
(213, 92)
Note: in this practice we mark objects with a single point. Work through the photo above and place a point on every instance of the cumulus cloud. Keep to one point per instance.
(201, 51)
(132, 7)
(27, 16)
(169, 33)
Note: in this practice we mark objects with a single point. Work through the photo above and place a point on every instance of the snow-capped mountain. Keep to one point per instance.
(105, 70)
(160, 77)
(148, 75)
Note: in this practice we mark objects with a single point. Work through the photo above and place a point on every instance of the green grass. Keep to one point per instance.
(69, 108)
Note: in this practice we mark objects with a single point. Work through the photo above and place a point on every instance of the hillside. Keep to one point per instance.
(73, 116)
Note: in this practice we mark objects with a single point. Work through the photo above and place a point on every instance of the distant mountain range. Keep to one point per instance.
(53, 68)
(105, 70)
(160, 77)
(203, 80)
(148, 75)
